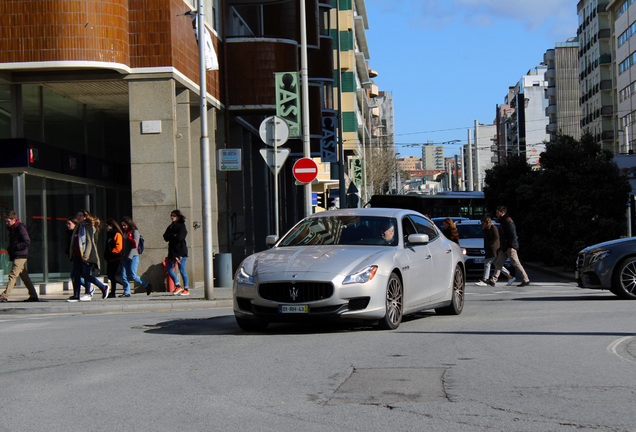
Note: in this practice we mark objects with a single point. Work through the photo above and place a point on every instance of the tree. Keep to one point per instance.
(577, 198)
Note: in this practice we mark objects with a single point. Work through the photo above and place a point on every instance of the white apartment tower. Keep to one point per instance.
(433, 156)
(595, 71)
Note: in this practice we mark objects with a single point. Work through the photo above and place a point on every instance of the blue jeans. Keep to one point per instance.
(182, 269)
(81, 275)
(129, 273)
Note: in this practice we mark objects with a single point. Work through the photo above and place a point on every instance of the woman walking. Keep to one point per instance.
(175, 235)
(130, 258)
(114, 246)
(84, 256)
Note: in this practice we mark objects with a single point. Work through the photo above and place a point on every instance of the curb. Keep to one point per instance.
(133, 307)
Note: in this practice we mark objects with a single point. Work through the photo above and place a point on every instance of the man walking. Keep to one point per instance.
(18, 252)
(509, 247)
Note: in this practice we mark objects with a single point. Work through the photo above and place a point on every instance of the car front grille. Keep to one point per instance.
(295, 292)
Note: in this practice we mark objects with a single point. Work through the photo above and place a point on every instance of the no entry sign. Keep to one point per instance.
(305, 170)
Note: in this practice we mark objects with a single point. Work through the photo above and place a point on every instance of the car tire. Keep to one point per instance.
(251, 325)
(624, 282)
(456, 305)
(394, 304)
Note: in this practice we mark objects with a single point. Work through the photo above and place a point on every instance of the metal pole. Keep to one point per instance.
(341, 178)
(273, 123)
(469, 165)
(477, 169)
(206, 199)
(305, 97)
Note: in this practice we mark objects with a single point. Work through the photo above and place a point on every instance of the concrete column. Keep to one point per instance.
(154, 174)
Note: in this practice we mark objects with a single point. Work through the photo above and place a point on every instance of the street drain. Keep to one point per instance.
(391, 385)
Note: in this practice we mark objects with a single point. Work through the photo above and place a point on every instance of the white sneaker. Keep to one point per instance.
(85, 297)
(481, 283)
(511, 281)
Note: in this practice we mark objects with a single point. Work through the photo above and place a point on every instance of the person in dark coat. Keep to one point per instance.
(18, 250)
(508, 248)
(175, 235)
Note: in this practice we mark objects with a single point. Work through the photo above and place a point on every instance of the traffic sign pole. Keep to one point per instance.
(272, 130)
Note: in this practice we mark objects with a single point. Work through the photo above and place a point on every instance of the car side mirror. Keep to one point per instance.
(416, 239)
(271, 240)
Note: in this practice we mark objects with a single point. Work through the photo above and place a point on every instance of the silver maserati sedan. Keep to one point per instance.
(371, 264)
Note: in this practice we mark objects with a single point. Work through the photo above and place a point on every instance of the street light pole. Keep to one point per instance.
(206, 199)
(305, 98)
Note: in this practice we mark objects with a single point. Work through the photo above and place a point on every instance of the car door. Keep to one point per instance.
(417, 284)
(440, 263)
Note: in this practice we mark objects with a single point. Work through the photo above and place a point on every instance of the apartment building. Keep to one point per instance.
(526, 127)
(623, 17)
(596, 72)
(97, 112)
(563, 90)
(411, 163)
(433, 156)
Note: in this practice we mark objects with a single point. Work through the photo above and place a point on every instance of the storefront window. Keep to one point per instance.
(32, 112)
(64, 123)
(5, 111)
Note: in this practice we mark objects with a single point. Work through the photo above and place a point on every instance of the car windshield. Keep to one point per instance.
(470, 231)
(343, 230)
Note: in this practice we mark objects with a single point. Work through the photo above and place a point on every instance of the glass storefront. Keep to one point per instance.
(59, 156)
(43, 205)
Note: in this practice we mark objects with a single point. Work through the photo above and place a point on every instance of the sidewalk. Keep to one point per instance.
(140, 302)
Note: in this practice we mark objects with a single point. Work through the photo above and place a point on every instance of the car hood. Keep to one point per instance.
(612, 243)
(312, 259)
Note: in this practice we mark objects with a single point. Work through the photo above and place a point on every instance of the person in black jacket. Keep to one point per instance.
(18, 250)
(175, 235)
(508, 248)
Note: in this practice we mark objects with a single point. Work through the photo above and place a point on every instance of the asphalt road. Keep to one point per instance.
(548, 357)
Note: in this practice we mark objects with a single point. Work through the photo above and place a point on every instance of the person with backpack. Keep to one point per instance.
(130, 257)
(175, 235)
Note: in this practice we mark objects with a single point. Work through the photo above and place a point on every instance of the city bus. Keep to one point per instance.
(470, 205)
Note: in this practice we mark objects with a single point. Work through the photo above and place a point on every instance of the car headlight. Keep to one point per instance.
(464, 251)
(362, 276)
(599, 255)
(243, 277)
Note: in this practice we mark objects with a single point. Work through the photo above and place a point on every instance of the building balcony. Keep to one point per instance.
(607, 110)
(605, 59)
(604, 34)
(251, 63)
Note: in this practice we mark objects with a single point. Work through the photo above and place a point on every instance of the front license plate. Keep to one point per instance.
(478, 261)
(293, 309)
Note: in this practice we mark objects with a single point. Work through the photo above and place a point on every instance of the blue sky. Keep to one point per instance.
(450, 62)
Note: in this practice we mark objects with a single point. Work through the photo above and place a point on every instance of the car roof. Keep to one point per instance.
(375, 211)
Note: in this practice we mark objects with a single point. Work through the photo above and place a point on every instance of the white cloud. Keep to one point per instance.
(533, 13)
(555, 17)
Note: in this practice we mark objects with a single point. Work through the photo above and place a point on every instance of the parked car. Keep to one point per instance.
(349, 265)
(609, 266)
